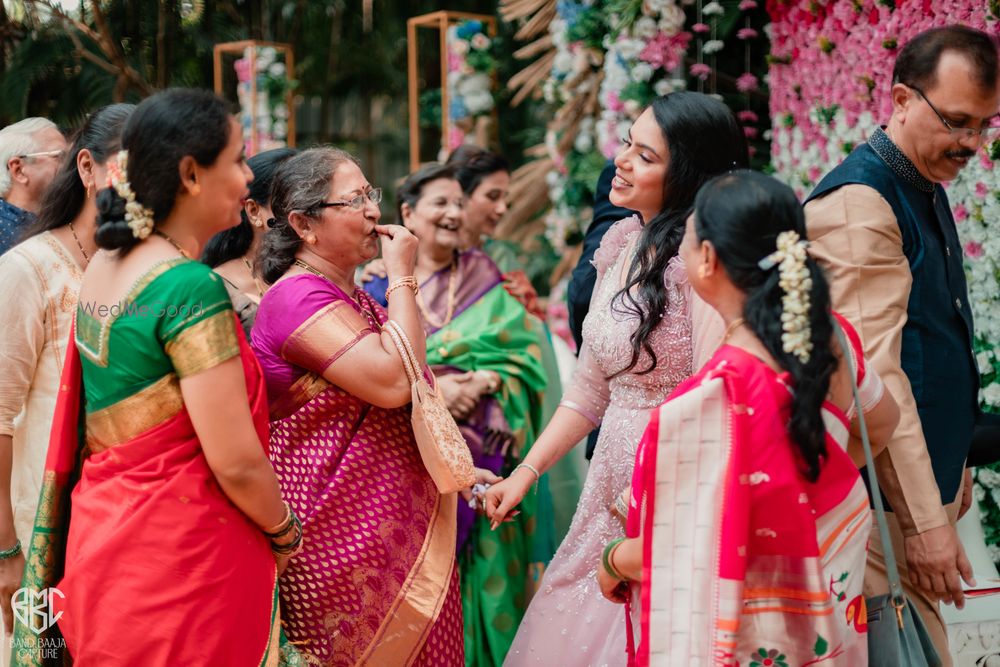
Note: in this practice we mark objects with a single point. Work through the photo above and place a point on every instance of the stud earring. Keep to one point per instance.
(195, 190)
(311, 239)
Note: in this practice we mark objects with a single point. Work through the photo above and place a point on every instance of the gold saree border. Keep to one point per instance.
(272, 651)
(204, 345)
(43, 563)
(136, 414)
(422, 596)
(303, 390)
(325, 336)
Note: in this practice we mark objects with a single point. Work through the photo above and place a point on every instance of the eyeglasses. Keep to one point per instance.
(357, 203)
(988, 133)
(57, 154)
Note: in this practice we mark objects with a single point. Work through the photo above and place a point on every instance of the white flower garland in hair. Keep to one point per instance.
(138, 217)
(790, 258)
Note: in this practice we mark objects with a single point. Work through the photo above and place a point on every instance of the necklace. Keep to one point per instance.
(372, 319)
(431, 318)
(86, 257)
(172, 242)
(256, 280)
(733, 326)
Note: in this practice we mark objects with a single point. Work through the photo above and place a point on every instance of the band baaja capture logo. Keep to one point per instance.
(35, 609)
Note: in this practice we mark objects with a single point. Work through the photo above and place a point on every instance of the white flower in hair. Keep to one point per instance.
(795, 281)
(138, 217)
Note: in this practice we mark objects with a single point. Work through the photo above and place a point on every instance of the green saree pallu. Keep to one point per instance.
(500, 568)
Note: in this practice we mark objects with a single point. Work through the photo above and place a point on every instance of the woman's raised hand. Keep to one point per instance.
(399, 250)
(504, 496)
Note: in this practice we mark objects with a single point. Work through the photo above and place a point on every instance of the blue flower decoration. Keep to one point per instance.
(467, 29)
(456, 109)
(569, 11)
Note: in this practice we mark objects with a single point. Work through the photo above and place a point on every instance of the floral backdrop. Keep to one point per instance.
(264, 117)
(612, 57)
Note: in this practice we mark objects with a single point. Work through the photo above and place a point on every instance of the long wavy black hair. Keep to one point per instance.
(64, 198)
(236, 241)
(742, 214)
(704, 140)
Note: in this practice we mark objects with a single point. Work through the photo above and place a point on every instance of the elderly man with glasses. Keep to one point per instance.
(881, 225)
(30, 153)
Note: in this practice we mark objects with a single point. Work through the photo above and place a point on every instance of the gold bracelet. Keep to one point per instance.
(407, 281)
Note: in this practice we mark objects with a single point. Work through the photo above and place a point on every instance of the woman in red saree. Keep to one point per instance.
(748, 519)
(157, 495)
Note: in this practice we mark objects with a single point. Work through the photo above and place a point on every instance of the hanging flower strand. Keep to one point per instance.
(795, 281)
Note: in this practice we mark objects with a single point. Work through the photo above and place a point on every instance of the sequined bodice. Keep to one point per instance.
(608, 329)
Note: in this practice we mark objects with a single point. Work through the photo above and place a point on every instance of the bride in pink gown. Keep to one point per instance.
(637, 347)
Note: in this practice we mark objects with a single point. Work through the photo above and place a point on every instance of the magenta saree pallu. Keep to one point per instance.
(376, 583)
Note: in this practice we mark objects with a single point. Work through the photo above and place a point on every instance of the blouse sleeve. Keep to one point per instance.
(870, 385)
(196, 324)
(22, 337)
(333, 327)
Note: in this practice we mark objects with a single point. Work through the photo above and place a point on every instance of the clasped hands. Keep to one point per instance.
(461, 391)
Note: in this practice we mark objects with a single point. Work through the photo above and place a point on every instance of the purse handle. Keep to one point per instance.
(402, 343)
(892, 572)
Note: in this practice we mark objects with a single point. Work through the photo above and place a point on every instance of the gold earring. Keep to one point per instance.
(311, 239)
(90, 186)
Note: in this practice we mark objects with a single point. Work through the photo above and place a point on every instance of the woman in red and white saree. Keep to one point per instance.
(748, 517)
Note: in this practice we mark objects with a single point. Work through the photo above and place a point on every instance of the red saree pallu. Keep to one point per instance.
(155, 563)
(745, 561)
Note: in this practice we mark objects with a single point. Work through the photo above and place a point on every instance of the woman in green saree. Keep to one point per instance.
(484, 348)
(158, 500)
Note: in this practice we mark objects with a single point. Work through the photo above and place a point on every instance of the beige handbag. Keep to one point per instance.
(442, 447)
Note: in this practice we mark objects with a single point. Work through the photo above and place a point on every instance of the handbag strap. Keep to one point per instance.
(403, 347)
(892, 572)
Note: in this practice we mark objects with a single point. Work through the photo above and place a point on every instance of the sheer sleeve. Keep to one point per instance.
(22, 337)
(588, 393)
(196, 323)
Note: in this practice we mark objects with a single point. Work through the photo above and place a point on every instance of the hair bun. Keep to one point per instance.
(113, 232)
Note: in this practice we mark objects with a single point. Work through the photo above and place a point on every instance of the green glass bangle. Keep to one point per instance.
(10, 553)
(606, 559)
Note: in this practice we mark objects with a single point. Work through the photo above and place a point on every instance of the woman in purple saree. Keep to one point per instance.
(377, 583)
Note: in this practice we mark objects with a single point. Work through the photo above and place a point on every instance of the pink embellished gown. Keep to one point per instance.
(568, 622)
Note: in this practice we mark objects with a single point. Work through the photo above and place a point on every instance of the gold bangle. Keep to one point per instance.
(282, 526)
(407, 281)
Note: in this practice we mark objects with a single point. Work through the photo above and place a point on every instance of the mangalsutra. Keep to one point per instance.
(372, 319)
(172, 242)
(450, 312)
(86, 257)
(256, 280)
(733, 326)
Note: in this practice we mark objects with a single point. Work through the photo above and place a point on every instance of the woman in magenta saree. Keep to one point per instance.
(376, 583)
(748, 520)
